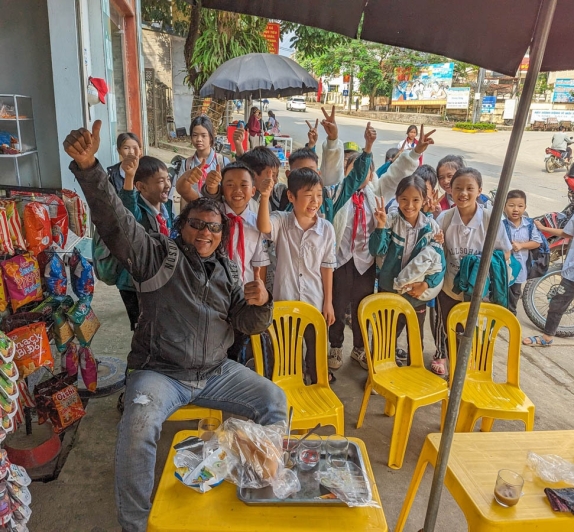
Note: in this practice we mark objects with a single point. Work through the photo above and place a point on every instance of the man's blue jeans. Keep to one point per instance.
(151, 397)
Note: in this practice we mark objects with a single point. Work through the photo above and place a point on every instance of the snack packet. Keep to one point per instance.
(70, 360)
(88, 368)
(32, 348)
(63, 332)
(57, 400)
(6, 246)
(3, 297)
(79, 310)
(204, 476)
(55, 275)
(37, 227)
(22, 278)
(82, 274)
(76, 211)
(14, 224)
(7, 349)
(86, 330)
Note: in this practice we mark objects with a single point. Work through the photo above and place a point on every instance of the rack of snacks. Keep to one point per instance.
(19, 165)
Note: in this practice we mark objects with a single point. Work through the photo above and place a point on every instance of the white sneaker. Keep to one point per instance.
(335, 359)
(360, 356)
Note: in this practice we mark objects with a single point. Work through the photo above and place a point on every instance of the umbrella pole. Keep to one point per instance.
(542, 29)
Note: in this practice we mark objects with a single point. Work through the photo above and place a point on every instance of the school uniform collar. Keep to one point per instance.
(244, 214)
(524, 222)
(422, 220)
(474, 223)
(208, 162)
(153, 210)
(317, 227)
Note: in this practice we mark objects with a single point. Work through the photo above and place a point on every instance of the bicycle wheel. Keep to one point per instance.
(536, 300)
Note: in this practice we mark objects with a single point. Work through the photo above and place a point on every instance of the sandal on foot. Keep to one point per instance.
(537, 341)
(438, 367)
(332, 377)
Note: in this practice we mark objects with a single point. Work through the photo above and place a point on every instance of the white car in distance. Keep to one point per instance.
(296, 103)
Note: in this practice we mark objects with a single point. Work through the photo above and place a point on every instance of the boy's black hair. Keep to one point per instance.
(148, 167)
(205, 205)
(516, 194)
(456, 161)
(303, 153)
(473, 172)
(259, 158)
(302, 178)
(237, 165)
(412, 181)
(203, 121)
(391, 153)
(427, 173)
(122, 137)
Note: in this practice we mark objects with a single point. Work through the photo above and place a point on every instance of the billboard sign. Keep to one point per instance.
(457, 98)
(563, 91)
(425, 85)
(488, 104)
(271, 35)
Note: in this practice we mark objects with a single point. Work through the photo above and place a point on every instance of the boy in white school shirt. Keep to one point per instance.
(305, 249)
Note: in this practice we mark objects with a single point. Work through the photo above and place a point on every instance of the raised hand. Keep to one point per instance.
(312, 134)
(329, 124)
(82, 146)
(424, 140)
(370, 137)
(213, 180)
(238, 138)
(380, 214)
(194, 175)
(266, 188)
(130, 165)
(439, 238)
(255, 292)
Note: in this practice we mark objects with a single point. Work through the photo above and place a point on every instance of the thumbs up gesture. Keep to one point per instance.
(82, 146)
(213, 180)
(193, 176)
(255, 291)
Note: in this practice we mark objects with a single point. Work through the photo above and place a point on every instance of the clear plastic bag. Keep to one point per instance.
(349, 484)
(550, 467)
(255, 457)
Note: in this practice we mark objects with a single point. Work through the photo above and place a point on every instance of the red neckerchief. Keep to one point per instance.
(358, 199)
(162, 224)
(237, 221)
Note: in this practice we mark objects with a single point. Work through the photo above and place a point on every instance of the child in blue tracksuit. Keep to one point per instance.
(399, 238)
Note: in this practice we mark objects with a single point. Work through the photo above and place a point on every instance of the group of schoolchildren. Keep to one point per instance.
(333, 235)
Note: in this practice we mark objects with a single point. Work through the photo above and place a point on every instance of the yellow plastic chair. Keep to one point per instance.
(407, 388)
(314, 403)
(191, 412)
(481, 396)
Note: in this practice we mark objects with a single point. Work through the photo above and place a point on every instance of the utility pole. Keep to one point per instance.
(478, 102)
(351, 83)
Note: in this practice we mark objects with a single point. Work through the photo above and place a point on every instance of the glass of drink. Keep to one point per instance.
(207, 427)
(337, 448)
(508, 489)
(309, 454)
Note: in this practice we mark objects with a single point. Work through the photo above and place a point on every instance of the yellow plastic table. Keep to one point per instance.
(177, 508)
(473, 465)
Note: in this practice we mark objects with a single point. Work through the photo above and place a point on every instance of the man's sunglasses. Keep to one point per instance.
(200, 225)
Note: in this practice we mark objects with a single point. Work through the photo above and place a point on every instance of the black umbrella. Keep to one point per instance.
(258, 75)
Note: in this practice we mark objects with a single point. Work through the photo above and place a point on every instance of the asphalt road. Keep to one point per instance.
(484, 151)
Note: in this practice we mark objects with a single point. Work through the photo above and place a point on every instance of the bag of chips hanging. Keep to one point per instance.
(32, 348)
(89, 369)
(71, 359)
(37, 227)
(58, 401)
(86, 330)
(3, 295)
(22, 280)
(6, 246)
(55, 275)
(59, 219)
(82, 274)
(76, 212)
(14, 224)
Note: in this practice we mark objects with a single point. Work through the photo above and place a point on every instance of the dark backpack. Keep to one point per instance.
(539, 258)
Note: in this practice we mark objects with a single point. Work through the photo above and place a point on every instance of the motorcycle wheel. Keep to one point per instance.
(550, 165)
(536, 300)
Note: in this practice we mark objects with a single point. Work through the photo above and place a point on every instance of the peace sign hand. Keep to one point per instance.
(380, 214)
(312, 134)
(329, 124)
(424, 140)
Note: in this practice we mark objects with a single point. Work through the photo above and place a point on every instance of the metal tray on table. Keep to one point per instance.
(311, 490)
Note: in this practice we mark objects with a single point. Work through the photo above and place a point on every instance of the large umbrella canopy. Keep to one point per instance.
(494, 34)
(258, 75)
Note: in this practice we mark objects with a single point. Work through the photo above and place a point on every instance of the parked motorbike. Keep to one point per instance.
(539, 291)
(554, 160)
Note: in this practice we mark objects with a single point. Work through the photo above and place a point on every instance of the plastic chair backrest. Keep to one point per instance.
(290, 319)
(379, 314)
(491, 319)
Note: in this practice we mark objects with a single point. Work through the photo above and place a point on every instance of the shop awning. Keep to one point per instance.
(494, 34)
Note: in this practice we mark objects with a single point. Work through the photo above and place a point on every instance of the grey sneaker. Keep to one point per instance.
(360, 356)
(335, 360)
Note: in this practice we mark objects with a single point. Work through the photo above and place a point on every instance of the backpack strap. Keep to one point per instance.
(165, 272)
(507, 227)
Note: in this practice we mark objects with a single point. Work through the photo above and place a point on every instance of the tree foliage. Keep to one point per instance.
(172, 14)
